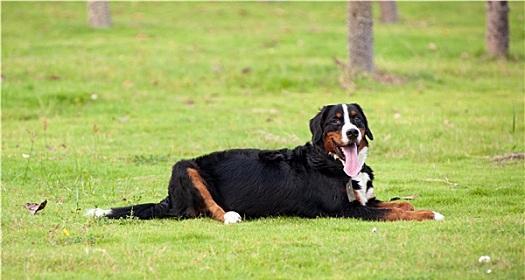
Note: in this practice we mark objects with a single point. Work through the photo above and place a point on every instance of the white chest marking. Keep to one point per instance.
(361, 194)
(362, 155)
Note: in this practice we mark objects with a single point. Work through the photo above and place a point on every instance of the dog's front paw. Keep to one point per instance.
(232, 217)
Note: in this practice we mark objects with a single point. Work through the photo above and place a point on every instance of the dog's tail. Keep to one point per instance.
(141, 211)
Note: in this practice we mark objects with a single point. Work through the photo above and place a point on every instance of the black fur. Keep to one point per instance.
(305, 181)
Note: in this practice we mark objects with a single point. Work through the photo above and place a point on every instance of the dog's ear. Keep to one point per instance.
(316, 126)
(368, 132)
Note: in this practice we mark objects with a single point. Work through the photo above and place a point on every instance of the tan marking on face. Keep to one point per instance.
(339, 115)
(363, 143)
(353, 113)
(212, 208)
(329, 139)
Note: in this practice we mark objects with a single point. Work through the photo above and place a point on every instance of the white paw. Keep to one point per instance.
(438, 216)
(97, 212)
(232, 217)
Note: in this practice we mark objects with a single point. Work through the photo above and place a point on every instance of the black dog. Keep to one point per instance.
(324, 178)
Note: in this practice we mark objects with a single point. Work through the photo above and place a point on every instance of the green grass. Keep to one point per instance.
(169, 84)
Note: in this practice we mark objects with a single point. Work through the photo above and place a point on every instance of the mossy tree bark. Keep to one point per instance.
(497, 33)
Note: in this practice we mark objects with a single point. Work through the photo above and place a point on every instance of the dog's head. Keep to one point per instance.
(342, 131)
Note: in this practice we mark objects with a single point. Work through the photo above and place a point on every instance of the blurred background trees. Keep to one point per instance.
(388, 10)
(98, 14)
(361, 38)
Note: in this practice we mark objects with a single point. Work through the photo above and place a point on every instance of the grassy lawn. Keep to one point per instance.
(98, 117)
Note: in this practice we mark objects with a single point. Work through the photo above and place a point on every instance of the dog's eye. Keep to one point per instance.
(336, 121)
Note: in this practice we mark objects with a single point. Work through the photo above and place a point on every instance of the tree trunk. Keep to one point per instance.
(497, 34)
(360, 37)
(388, 11)
(98, 14)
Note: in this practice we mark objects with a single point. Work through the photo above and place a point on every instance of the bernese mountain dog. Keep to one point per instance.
(326, 177)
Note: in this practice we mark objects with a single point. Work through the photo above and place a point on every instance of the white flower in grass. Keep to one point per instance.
(94, 96)
(25, 155)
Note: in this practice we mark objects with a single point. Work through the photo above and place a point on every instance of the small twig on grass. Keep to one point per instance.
(346, 79)
(513, 119)
(33, 136)
(408, 197)
(508, 157)
(445, 180)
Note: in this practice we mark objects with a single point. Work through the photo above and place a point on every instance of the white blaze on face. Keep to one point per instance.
(351, 164)
(347, 126)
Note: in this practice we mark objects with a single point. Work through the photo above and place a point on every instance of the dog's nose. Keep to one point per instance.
(352, 133)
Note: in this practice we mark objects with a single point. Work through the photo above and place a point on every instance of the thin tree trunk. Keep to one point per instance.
(98, 14)
(497, 33)
(360, 37)
(388, 11)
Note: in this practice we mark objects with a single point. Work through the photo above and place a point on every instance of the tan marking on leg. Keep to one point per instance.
(403, 205)
(396, 214)
(215, 210)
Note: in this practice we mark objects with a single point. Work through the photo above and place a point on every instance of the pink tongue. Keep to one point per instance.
(352, 166)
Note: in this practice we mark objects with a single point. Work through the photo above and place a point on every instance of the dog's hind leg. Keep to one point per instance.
(191, 195)
(212, 207)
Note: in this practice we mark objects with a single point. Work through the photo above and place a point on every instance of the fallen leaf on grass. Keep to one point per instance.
(34, 208)
(246, 70)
